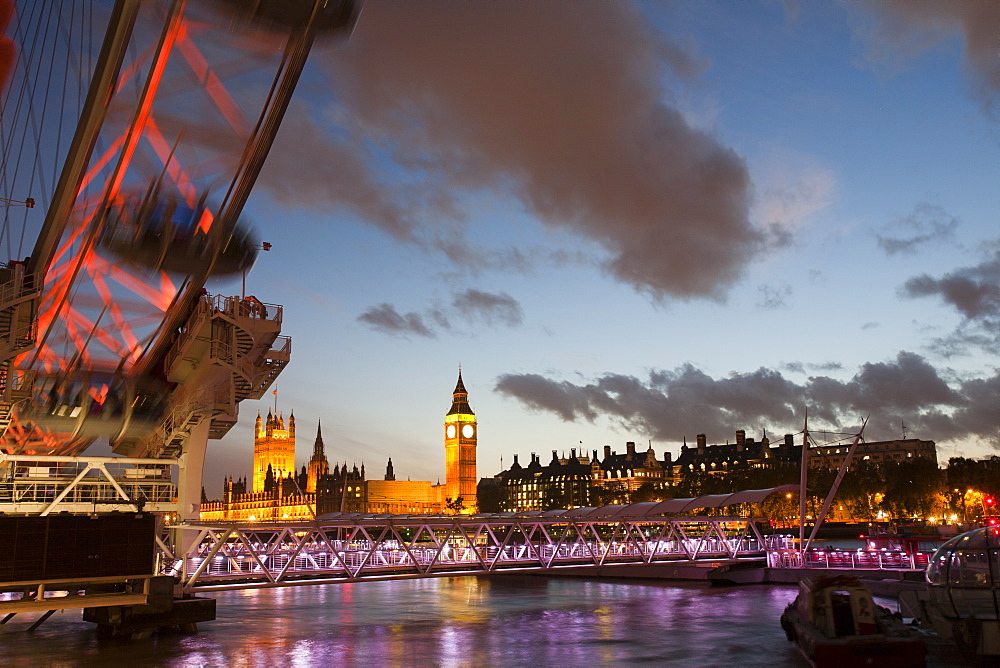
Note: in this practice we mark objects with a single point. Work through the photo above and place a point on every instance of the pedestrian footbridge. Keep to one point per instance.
(348, 547)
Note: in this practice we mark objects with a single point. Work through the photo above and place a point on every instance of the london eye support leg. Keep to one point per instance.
(191, 466)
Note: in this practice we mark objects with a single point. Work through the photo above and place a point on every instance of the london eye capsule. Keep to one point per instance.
(164, 231)
(328, 16)
(90, 404)
(963, 579)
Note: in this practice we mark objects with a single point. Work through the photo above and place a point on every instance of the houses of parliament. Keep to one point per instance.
(278, 491)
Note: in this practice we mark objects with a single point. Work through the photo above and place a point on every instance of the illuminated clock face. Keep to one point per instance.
(450, 431)
(468, 431)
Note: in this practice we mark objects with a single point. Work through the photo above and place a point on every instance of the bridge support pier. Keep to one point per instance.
(189, 475)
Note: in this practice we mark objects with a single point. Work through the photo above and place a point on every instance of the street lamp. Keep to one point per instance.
(264, 246)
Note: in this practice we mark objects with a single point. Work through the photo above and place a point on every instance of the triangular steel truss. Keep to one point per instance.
(237, 556)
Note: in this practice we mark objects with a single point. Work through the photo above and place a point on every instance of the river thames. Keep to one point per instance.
(456, 621)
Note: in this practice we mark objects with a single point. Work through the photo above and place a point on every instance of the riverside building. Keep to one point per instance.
(579, 480)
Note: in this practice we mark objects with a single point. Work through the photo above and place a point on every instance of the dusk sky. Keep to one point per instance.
(635, 222)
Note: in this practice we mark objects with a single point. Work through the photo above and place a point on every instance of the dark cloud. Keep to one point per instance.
(385, 318)
(486, 307)
(671, 404)
(562, 109)
(912, 26)
(908, 383)
(310, 168)
(927, 224)
(565, 399)
(973, 291)
(493, 309)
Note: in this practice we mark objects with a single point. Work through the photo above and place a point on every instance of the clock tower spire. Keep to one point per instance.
(461, 431)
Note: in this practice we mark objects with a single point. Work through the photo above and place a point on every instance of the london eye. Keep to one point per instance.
(132, 135)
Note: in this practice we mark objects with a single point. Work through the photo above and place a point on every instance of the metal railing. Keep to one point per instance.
(69, 593)
(43, 484)
(881, 559)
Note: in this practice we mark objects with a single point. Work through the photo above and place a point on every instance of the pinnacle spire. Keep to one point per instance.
(318, 446)
(460, 398)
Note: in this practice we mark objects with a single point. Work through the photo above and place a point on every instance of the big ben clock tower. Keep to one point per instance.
(461, 432)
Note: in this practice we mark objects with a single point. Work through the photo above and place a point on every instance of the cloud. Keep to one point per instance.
(801, 367)
(773, 296)
(827, 366)
(671, 404)
(566, 400)
(491, 308)
(927, 224)
(792, 188)
(309, 168)
(386, 319)
(973, 291)
(910, 27)
(561, 109)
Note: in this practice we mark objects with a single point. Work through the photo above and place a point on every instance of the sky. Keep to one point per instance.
(635, 221)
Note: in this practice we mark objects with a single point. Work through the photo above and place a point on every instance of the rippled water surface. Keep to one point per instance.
(469, 621)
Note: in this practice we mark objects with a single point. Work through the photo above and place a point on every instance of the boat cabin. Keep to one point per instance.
(838, 606)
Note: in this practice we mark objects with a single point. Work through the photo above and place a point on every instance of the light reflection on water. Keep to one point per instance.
(465, 621)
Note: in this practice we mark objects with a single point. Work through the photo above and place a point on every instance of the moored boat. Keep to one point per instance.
(835, 622)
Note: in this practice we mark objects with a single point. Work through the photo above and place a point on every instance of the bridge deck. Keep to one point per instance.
(353, 549)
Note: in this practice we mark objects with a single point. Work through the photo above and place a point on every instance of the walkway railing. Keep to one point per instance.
(45, 484)
(217, 556)
(853, 559)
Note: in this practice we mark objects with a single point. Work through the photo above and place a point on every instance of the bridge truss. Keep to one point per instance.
(354, 547)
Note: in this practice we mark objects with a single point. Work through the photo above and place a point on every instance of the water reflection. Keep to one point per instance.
(468, 621)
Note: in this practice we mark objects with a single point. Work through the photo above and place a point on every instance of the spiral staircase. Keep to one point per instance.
(19, 296)
(230, 349)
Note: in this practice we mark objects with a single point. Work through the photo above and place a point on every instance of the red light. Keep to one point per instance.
(990, 500)
(992, 521)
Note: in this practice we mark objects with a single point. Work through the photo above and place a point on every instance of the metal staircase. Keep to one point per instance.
(176, 428)
(230, 345)
(243, 336)
(19, 296)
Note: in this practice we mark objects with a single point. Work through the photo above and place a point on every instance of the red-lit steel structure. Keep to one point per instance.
(106, 331)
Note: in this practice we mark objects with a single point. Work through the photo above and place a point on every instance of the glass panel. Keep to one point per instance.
(937, 570)
(974, 570)
(974, 540)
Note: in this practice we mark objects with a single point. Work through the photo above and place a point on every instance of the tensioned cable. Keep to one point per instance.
(33, 116)
(12, 118)
(38, 108)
